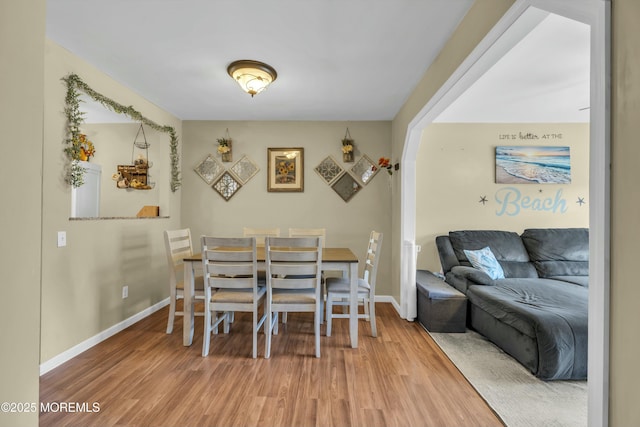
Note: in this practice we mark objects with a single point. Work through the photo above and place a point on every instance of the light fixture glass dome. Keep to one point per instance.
(252, 76)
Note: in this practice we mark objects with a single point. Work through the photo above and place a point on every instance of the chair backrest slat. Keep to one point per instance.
(230, 262)
(372, 258)
(306, 232)
(294, 262)
(260, 233)
(178, 245)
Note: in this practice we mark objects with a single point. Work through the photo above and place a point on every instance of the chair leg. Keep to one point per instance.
(275, 322)
(214, 315)
(372, 315)
(317, 328)
(267, 331)
(329, 316)
(227, 320)
(255, 333)
(322, 303)
(172, 312)
(207, 332)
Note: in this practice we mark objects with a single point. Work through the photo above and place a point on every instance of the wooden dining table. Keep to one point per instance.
(338, 259)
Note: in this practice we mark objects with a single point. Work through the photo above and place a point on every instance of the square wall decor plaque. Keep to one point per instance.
(209, 169)
(346, 186)
(329, 170)
(226, 186)
(244, 169)
(364, 170)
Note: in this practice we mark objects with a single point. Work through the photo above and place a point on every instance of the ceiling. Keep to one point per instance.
(544, 76)
(336, 60)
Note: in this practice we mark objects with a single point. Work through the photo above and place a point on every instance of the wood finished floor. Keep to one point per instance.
(144, 377)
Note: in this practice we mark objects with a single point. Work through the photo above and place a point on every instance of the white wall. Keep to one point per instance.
(347, 224)
(456, 167)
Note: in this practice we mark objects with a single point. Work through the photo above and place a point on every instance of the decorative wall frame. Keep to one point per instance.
(285, 169)
(226, 186)
(364, 170)
(329, 170)
(346, 186)
(209, 169)
(533, 165)
(244, 169)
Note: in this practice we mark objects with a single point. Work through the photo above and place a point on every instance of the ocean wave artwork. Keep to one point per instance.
(533, 165)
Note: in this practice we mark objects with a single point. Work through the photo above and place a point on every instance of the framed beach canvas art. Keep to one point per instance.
(533, 165)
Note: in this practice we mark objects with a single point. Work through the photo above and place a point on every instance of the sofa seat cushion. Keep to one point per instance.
(576, 280)
(506, 246)
(552, 312)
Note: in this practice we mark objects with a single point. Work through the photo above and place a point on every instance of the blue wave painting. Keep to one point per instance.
(533, 165)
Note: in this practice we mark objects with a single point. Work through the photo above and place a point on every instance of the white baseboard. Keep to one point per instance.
(390, 299)
(63, 357)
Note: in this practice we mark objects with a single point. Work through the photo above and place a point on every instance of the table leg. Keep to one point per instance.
(353, 304)
(189, 293)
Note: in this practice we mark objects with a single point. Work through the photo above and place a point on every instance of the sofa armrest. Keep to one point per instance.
(473, 275)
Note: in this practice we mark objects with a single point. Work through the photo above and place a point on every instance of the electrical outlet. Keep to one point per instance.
(125, 291)
(62, 238)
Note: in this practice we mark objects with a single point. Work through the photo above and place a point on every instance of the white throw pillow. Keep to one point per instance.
(484, 260)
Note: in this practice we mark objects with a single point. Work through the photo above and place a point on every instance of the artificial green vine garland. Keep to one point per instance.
(75, 172)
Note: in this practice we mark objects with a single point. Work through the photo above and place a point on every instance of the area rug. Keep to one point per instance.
(519, 398)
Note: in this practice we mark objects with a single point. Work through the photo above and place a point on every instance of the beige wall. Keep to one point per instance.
(21, 98)
(625, 215)
(82, 282)
(347, 224)
(21, 86)
(479, 20)
(457, 167)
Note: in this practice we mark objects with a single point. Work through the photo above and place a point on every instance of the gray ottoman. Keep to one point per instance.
(441, 308)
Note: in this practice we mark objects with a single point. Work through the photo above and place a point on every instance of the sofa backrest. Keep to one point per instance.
(507, 247)
(558, 252)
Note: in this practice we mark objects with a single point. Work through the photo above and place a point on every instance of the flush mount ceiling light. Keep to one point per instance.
(252, 76)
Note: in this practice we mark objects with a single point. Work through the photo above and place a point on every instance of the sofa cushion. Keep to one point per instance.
(576, 280)
(558, 251)
(484, 260)
(507, 247)
(448, 258)
(553, 312)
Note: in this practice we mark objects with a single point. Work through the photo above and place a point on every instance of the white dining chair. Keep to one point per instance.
(260, 233)
(294, 266)
(338, 289)
(177, 247)
(230, 270)
(309, 232)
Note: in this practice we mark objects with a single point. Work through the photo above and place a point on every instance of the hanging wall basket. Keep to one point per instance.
(225, 147)
(347, 148)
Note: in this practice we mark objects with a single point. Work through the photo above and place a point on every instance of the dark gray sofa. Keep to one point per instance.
(538, 312)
